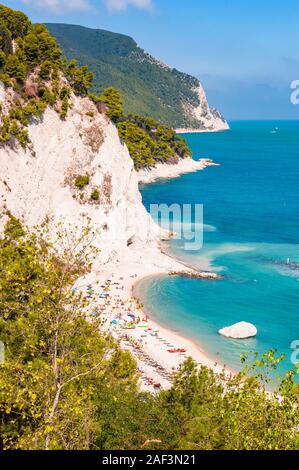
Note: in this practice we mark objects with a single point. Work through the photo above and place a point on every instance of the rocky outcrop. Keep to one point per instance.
(165, 170)
(241, 330)
(203, 117)
(192, 274)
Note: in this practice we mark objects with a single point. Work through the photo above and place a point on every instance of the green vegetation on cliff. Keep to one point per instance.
(149, 87)
(31, 64)
(150, 142)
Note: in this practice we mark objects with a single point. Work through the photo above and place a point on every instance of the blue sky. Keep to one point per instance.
(246, 52)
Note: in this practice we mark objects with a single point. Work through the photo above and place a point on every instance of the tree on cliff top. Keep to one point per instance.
(113, 99)
(31, 64)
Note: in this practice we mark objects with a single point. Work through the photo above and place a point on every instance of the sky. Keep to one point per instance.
(245, 52)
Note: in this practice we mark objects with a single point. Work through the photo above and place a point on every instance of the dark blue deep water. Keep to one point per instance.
(251, 219)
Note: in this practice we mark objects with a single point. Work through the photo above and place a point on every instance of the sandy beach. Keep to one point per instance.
(113, 293)
(112, 289)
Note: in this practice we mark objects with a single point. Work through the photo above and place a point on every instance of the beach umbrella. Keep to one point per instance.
(114, 322)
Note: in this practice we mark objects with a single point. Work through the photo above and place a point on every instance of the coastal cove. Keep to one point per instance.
(251, 233)
(149, 248)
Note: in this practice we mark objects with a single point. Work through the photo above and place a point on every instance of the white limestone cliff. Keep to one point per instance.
(209, 119)
(38, 183)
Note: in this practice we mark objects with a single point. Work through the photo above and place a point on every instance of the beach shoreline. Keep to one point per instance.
(194, 348)
(148, 341)
(154, 346)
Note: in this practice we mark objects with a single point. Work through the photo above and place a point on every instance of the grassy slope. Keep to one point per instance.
(148, 88)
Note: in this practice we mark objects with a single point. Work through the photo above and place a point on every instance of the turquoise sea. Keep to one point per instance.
(251, 217)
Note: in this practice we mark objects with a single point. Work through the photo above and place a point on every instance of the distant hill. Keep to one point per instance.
(149, 87)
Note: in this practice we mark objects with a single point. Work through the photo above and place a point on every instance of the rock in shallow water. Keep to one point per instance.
(239, 330)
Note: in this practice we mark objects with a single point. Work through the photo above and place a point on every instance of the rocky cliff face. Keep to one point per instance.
(38, 184)
(205, 118)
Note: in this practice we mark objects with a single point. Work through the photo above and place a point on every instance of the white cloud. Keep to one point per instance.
(60, 6)
(65, 6)
(122, 5)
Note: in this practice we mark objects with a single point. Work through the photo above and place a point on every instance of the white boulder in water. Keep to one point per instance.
(239, 330)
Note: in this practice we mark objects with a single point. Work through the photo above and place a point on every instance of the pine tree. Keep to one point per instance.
(113, 99)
